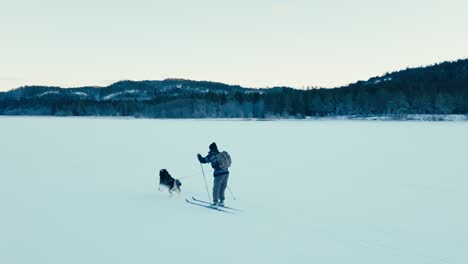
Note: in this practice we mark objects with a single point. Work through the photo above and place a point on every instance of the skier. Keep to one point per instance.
(220, 174)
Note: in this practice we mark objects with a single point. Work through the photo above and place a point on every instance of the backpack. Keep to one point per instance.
(224, 160)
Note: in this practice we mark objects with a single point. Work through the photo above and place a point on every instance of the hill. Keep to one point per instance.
(436, 89)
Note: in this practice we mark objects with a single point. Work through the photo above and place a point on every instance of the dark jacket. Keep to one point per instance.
(211, 158)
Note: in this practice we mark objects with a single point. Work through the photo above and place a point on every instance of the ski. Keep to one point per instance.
(225, 207)
(207, 206)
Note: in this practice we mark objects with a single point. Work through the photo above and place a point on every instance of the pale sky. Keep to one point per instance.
(252, 43)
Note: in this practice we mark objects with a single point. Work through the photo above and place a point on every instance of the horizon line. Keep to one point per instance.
(111, 82)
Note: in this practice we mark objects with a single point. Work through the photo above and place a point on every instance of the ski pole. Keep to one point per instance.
(206, 185)
(233, 197)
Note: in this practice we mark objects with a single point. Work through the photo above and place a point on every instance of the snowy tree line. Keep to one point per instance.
(438, 89)
(284, 102)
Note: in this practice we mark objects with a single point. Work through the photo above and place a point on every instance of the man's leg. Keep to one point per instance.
(223, 187)
(216, 188)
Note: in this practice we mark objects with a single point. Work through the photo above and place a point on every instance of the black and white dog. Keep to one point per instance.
(166, 181)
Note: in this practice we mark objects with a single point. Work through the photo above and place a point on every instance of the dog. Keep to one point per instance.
(166, 181)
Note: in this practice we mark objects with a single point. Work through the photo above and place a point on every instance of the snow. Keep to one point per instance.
(380, 79)
(408, 117)
(83, 190)
(112, 95)
(80, 93)
(47, 93)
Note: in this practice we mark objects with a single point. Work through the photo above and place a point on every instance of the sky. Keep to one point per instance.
(253, 43)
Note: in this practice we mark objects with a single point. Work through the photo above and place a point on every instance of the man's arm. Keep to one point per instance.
(203, 159)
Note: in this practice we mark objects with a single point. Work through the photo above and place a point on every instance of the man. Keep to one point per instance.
(221, 175)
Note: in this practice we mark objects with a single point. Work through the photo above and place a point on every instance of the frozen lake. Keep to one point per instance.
(83, 190)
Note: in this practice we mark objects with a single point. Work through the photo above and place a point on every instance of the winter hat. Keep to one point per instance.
(213, 147)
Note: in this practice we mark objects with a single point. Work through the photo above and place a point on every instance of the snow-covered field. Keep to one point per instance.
(83, 190)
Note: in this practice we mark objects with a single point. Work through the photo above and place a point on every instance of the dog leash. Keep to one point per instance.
(185, 177)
